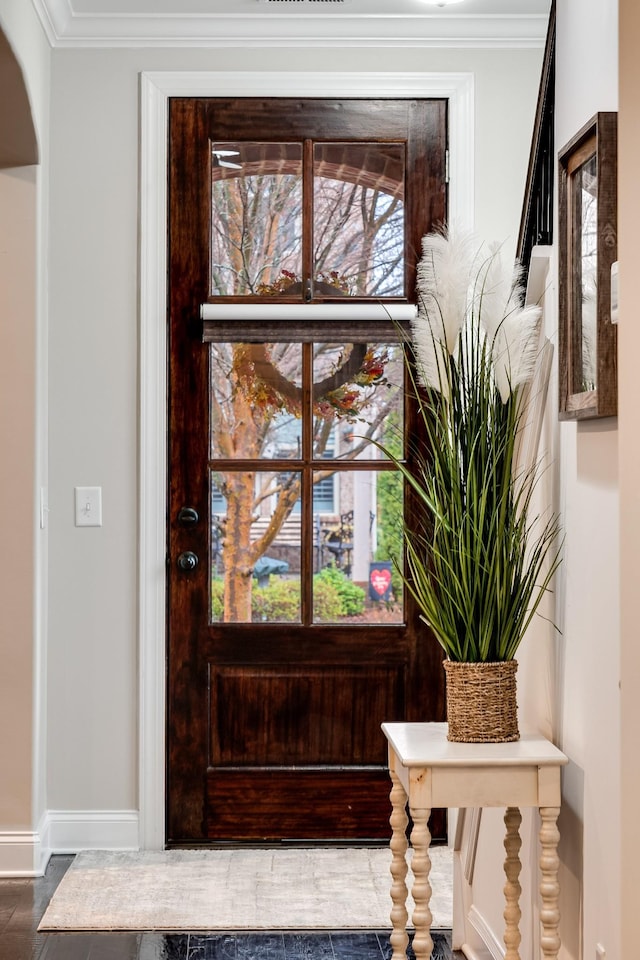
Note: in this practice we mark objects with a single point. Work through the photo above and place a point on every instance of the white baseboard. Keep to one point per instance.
(472, 954)
(490, 944)
(25, 853)
(70, 831)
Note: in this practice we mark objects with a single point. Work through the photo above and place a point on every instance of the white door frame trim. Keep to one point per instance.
(155, 90)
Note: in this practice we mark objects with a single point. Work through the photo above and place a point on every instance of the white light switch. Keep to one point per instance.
(88, 506)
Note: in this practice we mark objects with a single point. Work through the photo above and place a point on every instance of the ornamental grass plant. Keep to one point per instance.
(478, 559)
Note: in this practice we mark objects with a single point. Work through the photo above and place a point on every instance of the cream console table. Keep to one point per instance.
(428, 771)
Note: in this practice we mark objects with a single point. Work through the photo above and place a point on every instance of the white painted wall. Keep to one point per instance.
(92, 710)
(589, 653)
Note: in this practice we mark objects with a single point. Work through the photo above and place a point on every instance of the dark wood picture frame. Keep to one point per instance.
(587, 197)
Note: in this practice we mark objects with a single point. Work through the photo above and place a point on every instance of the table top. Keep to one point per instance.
(426, 745)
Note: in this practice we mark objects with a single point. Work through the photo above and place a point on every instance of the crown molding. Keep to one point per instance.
(65, 28)
(52, 17)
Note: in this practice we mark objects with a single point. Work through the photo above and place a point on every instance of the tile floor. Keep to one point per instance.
(23, 902)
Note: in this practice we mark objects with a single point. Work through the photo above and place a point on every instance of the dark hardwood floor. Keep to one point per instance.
(23, 902)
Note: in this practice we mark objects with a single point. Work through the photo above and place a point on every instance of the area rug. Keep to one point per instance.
(237, 889)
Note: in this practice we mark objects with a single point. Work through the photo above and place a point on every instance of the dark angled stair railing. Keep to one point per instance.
(536, 225)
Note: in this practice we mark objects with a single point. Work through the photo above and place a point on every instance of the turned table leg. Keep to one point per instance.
(399, 916)
(512, 888)
(549, 886)
(421, 888)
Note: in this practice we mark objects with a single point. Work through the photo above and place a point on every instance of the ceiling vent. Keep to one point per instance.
(304, 2)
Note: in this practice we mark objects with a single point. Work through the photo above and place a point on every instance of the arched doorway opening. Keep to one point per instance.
(18, 142)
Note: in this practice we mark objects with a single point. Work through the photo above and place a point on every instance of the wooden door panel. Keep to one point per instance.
(280, 804)
(301, 804)
(292, 715)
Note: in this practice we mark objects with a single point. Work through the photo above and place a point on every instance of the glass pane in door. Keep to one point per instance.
(358, 397)
(359, 220)
(255, 401)
(256, 218)
(255, 546)
(357, 546)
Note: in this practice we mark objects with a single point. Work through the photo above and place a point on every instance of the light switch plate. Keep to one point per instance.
(88, 506)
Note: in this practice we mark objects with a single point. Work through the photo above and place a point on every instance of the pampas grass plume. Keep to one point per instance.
(443, 278)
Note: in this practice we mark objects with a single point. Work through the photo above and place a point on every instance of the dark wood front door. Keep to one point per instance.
(289, 640)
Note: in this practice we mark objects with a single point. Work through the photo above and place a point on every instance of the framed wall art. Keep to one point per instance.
(587, 197)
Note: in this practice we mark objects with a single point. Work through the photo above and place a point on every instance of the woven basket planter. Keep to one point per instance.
(481, 702)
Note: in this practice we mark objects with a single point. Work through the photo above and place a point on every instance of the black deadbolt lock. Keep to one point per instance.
(188, 517)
